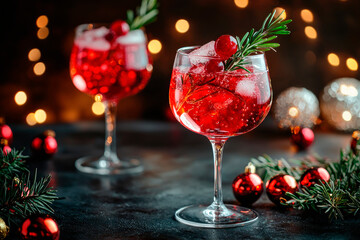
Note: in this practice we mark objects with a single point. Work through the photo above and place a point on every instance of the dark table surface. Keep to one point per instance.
(178, 172)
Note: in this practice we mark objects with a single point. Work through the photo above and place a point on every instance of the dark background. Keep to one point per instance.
(299, 61)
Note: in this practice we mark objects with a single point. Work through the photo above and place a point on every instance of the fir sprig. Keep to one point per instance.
(338, 198)
(146, 14)
(258, 41)
(21, 195)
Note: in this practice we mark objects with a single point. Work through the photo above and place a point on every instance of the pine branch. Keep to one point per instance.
(12, 164)
(146, 14)
(258, 41)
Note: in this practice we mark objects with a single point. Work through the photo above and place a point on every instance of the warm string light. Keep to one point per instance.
(333, 59)
(278, 12)
(98, 108)
(347, 116)
(154, 46)
(348, 90)
(182, 26)
(30, 119)
(43, 33)
(293, 112)
(42, 21)
(39, 68)
(34, 55)
(20, 98)
(307, 15)
(352, 64)
(310, 32)
(241, 3)
(40, 116)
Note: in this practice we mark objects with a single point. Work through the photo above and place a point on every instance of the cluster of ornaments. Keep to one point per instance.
(248, 186)
(37, 227)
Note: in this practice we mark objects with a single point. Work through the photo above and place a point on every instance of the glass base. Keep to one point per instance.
(210, 217)
(102, 166)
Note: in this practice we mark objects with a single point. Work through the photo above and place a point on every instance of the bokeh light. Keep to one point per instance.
(293, 112)
(348, 90)
(333, 59)
(352, 64)
(40, 116)
(42, 21)
(241, 3)
(43, 33)
(98, 108)
(30, 119)
(154, 46)
(310, 32)
(347, 116)
(34, 55)
(20, 98)
(39, 68)
(307, 15)
(182, 26)
(278, 12)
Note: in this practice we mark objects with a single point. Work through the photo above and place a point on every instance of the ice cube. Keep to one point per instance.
(94, 39)
(132, 37)
(207, 49)
(247, 88)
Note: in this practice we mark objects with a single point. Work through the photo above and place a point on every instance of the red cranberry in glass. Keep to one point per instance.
(120, 27)
(314, 175)
(225, 46)
(214, 66)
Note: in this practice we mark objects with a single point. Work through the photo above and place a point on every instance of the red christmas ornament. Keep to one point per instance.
(5, 146)
(45, 145)
(355, 142)
(5, 132)
(314, 175)
(248, 186)
(278, 185)
(302, 137)
(39, 227)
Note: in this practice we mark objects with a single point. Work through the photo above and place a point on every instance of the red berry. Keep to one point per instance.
(225, 46)
(110, 36)
(120, 27)
(214, 66)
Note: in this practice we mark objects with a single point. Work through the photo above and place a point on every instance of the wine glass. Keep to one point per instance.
(109, 68)
(218, 104)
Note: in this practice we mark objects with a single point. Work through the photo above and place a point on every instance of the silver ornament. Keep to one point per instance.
(340, 104)
(296, 107)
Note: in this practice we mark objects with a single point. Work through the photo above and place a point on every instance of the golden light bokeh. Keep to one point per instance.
(98, 108)
(333, 59)
(293, 112)
(43, 33)
(40, 116)
(39, 68)
(30, 119)
(20, 98)
(42, 21)
(154, 46)
(307, 15)
(98, 97)
(278, 12)
(241, 3)
(347, 116)
(182, 26)
(352, 64)
(310, 32)
(34, 55)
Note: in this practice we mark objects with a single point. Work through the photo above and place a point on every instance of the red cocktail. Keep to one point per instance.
(109, 63)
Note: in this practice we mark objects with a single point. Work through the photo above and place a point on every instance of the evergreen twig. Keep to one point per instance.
(146, 14)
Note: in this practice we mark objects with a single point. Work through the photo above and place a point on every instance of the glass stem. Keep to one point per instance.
(217, 146)
(110, 132)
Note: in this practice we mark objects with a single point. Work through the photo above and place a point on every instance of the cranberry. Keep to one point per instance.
(225, 46)
(120, 27)
(214, 66)
(110, 36)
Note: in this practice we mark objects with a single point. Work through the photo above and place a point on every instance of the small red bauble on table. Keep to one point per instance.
(4, 145)
(278, 185)
(39, 227)
(248, 186)
(302, 137)
(355, 142)
(5, 132)
(45, 145)
(314, 175)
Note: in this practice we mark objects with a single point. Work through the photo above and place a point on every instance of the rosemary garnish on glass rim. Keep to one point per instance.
(258, 41)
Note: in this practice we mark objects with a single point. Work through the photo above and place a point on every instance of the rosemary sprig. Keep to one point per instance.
(255, 41)
(146, 14)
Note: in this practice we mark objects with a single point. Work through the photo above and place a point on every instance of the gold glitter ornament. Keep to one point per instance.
(4, 230)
